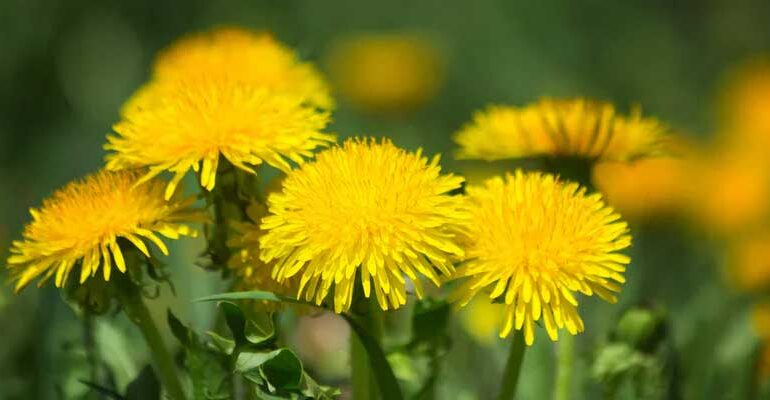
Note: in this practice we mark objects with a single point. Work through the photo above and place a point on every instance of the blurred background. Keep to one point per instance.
(416, 71)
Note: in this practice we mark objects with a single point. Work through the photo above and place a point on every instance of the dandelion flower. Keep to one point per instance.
(368, 207)
(82, 223)
(241, 55)
(386, 72)
(186, 125)
(534, 242)
(559, 128)
(252, 273)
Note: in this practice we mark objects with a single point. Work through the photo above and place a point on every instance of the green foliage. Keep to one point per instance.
(248, 364)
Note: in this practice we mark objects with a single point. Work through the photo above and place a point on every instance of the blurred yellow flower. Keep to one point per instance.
(82, 223)
(252, 58)
(365, 208)
(386, 72)
(251, 273)
(483, 319)
(183, 125)
(533, 243)
(730, 192)
(748, 262)
(647, 187)
(551, 127)
(745, 102)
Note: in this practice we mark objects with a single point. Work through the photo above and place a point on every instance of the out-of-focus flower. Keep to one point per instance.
(647, 187)
(730, 191)
(251, 273)
(388, 73)
(364, 208)
(251, 58)
(745, 102)
(559, 128)
(82, 222)
(748, 262)
(482, 319)
(533, 243)
(183, 125)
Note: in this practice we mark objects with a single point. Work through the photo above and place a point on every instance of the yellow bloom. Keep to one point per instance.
(647, 187)
(368, 207)
(551, 127)
(252, 273)
(82, 222)
(253, 58)
(533, 243)
(183, 125)
(730, 192)
(386, 72)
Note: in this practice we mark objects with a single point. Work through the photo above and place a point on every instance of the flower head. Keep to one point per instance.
(252, 273)
(253, 58)
(82, 223)
(364, 207)
(551, 127)
(190, 124)
(533, 243)
(386, 72)
(748, 262)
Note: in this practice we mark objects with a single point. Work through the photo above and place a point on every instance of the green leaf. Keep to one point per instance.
(245, 332)
(222, 343)
(284, 370)
(280, 368)
(252, 295)
(180, 331)
(145, 387)
(386, 380)
(106, 392)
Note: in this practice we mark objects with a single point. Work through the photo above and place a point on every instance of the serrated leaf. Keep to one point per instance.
(280, 368)
(245, 332)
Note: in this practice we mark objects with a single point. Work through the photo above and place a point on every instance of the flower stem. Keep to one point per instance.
(565, 364)
(137, 312)
(362, 380)
(512, 367)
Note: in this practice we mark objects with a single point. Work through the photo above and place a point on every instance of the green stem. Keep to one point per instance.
(565, 365)
(362, 379)
(512, 367)
(137, 312)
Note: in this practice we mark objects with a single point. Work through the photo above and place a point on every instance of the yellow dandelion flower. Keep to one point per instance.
(386, 72)
(189, 124)
(252, 273)
(254, 58)
(368, 207)
(534, 243)
(82, 222)
(578, 127)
